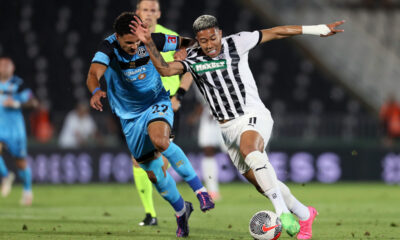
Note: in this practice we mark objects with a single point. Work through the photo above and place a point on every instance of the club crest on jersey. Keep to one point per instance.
(141, 51)
(209, 66)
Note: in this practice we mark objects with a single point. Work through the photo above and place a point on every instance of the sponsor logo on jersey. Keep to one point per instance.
(130, 74)
(209, 66)
(142, 51)
(142, 76)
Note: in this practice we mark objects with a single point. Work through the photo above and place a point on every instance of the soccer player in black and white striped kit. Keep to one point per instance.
(219, 66)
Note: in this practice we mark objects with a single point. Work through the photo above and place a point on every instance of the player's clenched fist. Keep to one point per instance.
(95, 101)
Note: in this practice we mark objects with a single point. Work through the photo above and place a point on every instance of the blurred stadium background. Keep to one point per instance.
(324, 94)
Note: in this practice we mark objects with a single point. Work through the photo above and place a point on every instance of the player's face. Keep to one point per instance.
(129, 43)
(149, 12)
(6, 68)
(210, 41)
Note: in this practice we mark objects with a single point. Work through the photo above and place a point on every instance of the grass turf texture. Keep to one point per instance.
(347, 211)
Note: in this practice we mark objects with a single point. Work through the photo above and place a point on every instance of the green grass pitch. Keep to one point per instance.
(112, 211)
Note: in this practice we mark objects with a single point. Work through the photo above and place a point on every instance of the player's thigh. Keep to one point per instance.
(136, 136)
(257, 129)
(17, 146)
(231, 135)
(160, 120)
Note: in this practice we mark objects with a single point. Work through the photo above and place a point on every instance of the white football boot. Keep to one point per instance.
(27, 198)
(6, 184)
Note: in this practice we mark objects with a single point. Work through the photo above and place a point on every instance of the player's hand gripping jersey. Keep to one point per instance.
(12, 125)
(226, 81)
(133, 83)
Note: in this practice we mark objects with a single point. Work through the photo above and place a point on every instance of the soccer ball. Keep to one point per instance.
(265, 225)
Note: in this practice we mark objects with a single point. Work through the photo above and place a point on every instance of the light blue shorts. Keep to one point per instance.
(14, 138)
(135, 130)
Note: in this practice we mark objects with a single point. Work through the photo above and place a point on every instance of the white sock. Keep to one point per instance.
(266, 178)
(203, 189)
(294, 205)
(181, 212)
(276, 198)
(210, 173)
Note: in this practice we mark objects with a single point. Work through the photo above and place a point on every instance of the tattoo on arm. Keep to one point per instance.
(156, 54)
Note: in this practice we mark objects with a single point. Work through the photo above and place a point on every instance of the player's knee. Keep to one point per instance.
(161, 143)
(246, 149)
(255, 160)
(21, 163)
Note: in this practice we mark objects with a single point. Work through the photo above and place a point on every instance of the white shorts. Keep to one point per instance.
(209, 132)
(260, 122)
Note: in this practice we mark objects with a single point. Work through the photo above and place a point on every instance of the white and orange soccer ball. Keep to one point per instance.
(265, 225)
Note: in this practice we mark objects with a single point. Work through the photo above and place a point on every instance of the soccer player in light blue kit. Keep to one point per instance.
(137, 96)
(13, 95)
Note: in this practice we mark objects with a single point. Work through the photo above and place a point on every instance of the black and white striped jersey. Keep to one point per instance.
(226, 81)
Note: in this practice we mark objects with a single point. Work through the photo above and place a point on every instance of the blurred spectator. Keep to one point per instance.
(210, 141)
(390, 119)
(41, 126)
(79, 128)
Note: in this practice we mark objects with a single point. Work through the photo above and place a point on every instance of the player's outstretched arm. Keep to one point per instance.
(144, 35)
(96, 71)
(323, 30)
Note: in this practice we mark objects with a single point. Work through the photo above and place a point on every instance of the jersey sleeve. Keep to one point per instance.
(104, 53)
(245, 41)
(165, 42)
(186, 66)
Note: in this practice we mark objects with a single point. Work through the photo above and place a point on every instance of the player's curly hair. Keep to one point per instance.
(121, 23)
(205, 22)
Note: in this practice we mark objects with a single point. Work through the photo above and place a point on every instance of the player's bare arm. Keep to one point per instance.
(31, 103)
(186, 82)
(96, 71)
(144, 35)
(323, 30)
(12, 103)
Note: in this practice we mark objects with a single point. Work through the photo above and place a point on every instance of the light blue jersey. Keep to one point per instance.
(135, 90)
(133, 83)
(12, 125)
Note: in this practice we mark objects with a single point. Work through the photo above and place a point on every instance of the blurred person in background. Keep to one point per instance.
(137, 96)
(210, 141)
(41, 127)
(79, 128)
(149, 12)
(390, 120)
(13, 96)
(221, 71)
